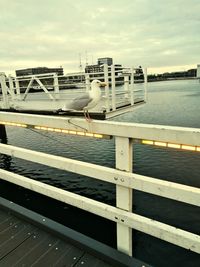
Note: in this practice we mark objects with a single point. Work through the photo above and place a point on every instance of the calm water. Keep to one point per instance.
(169, 103)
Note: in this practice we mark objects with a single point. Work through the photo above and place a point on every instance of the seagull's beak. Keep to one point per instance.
(103, 84)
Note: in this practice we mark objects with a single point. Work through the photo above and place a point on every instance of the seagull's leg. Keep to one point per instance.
(87, 115)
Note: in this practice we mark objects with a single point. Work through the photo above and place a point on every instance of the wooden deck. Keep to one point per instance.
(29, 239)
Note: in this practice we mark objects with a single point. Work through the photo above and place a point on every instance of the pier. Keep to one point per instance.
(122, 176)
(47, 93)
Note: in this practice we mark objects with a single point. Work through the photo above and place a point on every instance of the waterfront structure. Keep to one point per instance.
(191, 73)
(186, 74)
(15, 92)
(39, 70)
(198, 71)
(99, 68)
(94, 71)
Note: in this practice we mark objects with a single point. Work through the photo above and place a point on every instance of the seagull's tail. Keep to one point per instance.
(64, 109)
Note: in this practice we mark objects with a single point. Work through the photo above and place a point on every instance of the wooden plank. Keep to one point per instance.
(61, 254)
(31, 249)
(13, 237)
(42, 249)
(4, 216)
(89, 261)
(22, 252)
(7, 223)
(100, 250)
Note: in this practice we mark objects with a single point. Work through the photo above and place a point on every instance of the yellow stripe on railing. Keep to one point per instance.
(171, 145)
(57, 130)
(13, 124)
(73, 132)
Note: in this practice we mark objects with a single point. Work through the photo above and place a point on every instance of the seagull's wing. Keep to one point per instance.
(80, 102)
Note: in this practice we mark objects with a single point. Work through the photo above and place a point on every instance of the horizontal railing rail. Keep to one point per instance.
(178, 192)
(173, 134)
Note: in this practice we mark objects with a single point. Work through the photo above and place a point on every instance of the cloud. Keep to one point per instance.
(134, 32)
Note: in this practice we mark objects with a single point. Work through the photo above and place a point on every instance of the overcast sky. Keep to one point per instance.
(161, 35)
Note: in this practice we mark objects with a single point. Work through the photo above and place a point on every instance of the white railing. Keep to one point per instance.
(15, 90)
(121, 176)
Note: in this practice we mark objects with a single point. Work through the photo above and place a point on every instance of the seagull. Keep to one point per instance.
(86, 101)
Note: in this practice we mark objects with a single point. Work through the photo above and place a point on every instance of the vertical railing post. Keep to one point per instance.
(17, 88)
(132, 86)
(105, 67)
(3, 135)
(113, 87)
(87, 82)
(145, 84)
(11, 86)
(123, 148)
(126, 86)
(4, 90)
(29, 87)
(56, 86)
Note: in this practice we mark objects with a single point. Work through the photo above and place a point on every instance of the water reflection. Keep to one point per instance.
(5, 160)
(3, 135)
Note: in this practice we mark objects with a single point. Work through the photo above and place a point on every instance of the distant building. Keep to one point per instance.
(99, 66)
(38, 70)
(95, 71)
(192, 73)
(198, 71)
(105, 60)
(93, 68)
